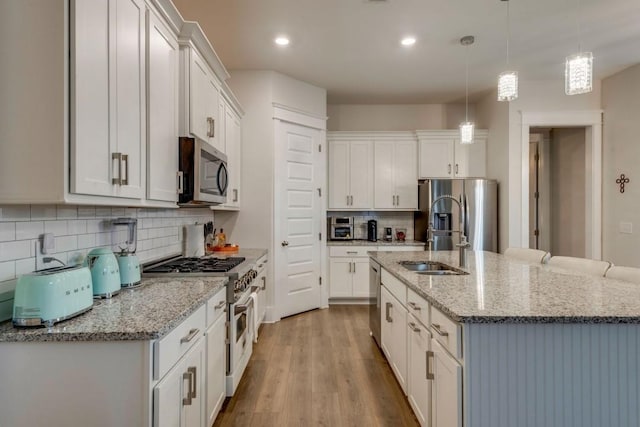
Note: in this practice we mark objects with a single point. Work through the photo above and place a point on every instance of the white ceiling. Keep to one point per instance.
(351, 47)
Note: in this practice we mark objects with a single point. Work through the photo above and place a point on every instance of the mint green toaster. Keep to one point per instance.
(50, 296)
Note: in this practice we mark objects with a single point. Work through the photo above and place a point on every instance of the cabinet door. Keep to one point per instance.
(194, 363)
(419, 387)
(221, 125)
(262, 295)
(91, 149)
(361, 174)
(446, 404)
(216, 368)
(233, 149)
(168, 395)
(360, 276)
(394, 336)
(341, 277)
(384, 195)
(405, 166)
(470, 159)
(201, 98)
(339, 175)
(129, 108)
(436, 158)
(162, 160)
(386, 322)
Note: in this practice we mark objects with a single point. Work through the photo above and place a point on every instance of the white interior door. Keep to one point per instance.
(297, 219)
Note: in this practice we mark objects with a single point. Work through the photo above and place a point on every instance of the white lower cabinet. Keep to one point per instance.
(178, 397)
(446, 388)
(216, 368)
(349, 271)
(394, 336)
(419, 384)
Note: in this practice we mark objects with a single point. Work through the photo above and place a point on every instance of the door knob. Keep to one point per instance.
(284, 243)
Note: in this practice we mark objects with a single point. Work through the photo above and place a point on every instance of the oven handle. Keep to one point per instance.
(241, 308)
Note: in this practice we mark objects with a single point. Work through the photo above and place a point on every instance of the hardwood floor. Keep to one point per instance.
(319, 368)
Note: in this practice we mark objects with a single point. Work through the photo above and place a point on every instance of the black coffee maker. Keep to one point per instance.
(372, 230)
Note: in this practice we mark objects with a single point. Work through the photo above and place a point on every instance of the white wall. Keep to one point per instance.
(494, 116)
(535, 96)
(78, 229)
(397, 117)
(568, 191)
(621, 154)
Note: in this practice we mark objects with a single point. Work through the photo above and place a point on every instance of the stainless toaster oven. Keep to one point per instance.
(341, 228)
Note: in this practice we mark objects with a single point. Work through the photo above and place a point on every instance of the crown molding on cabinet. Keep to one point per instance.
(191, 34)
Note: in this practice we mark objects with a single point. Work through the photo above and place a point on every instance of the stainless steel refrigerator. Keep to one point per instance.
(479, 200)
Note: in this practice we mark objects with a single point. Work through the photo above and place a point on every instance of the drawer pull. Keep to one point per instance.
(440, 332)
(352, 252)
(219, 305)
(192, 333)
(414, 306)
(430, 375)
(413, 327)
(388, 306)
(186, 401)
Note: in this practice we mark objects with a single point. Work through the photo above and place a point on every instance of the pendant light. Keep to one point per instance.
(508, 80)
(578, 69)
(466, 127)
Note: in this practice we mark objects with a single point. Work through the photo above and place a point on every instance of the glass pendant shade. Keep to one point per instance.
(466, 132)
(578, 73)
(508, 86)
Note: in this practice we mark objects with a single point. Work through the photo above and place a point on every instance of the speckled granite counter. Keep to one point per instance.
(144, 313)
(377, 243)
(502, 290)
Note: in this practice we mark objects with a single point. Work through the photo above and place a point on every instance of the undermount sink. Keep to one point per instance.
(431, 268)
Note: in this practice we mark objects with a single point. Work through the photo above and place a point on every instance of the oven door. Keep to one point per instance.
(240, 340)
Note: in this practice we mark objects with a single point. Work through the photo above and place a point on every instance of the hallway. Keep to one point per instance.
(319, 368)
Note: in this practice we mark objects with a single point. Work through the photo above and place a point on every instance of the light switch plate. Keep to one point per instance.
(626, 227)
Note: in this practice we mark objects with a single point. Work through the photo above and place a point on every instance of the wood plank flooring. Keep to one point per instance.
(319, 368)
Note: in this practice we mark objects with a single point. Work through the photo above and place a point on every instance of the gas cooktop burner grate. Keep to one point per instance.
(198, 265)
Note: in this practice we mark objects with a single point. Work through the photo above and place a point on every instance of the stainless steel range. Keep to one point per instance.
(240, 311)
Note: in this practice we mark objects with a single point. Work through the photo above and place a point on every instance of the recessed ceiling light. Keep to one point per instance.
(408, 41)
(282, 41)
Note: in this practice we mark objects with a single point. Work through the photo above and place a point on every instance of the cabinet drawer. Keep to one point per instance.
(395, 286)
(216, 306)
(169, 349)
(447, 332)
(418, 306)
(401, 248)
(350, 251)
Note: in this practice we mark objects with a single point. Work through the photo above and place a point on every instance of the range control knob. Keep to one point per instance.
(253, 274)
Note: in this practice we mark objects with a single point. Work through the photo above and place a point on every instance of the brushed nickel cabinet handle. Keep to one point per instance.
(264, 283)
(398, 200)
(440, 332)
(192, 370)
(219, 305)
(186, 401)
(349, 267)
(430, 375)
(414, 306)
(125, 159)
(118, 157)
(413, 327)
(352, 252)
(354, 268)
(192, 333)
(449, 168)
(388, 306)
(456, 168)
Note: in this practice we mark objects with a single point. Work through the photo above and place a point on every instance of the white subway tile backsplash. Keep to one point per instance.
(67, 212)
(117, 212)
(86, 241)
(29, 230)
(15, 250)
(26, 265)
(16, 213)
(103, 212)
(58, 228)
(66, 243)
(43, 212)
(78, 226)
(7, 270)
(7, 231)
(86, 211)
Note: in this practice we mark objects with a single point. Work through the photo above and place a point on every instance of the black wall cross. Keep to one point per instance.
(622, 181)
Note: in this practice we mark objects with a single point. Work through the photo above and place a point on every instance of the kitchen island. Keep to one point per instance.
(521, 344)
(130, 361)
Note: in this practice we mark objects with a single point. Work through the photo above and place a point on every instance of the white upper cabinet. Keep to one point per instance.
(162, 139)
(232, 129)
(350, 174)
(108, 98)
(204, 102)
(441, 155)
(396, 180)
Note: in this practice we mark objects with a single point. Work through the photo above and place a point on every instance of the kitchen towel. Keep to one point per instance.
(194, 240)
(256, 320)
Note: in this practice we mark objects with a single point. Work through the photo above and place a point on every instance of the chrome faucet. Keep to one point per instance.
(464, 243)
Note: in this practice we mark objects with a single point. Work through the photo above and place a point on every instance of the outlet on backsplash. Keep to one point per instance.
(395, 220)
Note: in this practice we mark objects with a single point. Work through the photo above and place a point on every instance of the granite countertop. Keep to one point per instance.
(359, 242)
(503, 290)
(147, 312)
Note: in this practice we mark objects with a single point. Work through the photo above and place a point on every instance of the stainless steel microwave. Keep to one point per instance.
(202, 175)
(341, 228)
